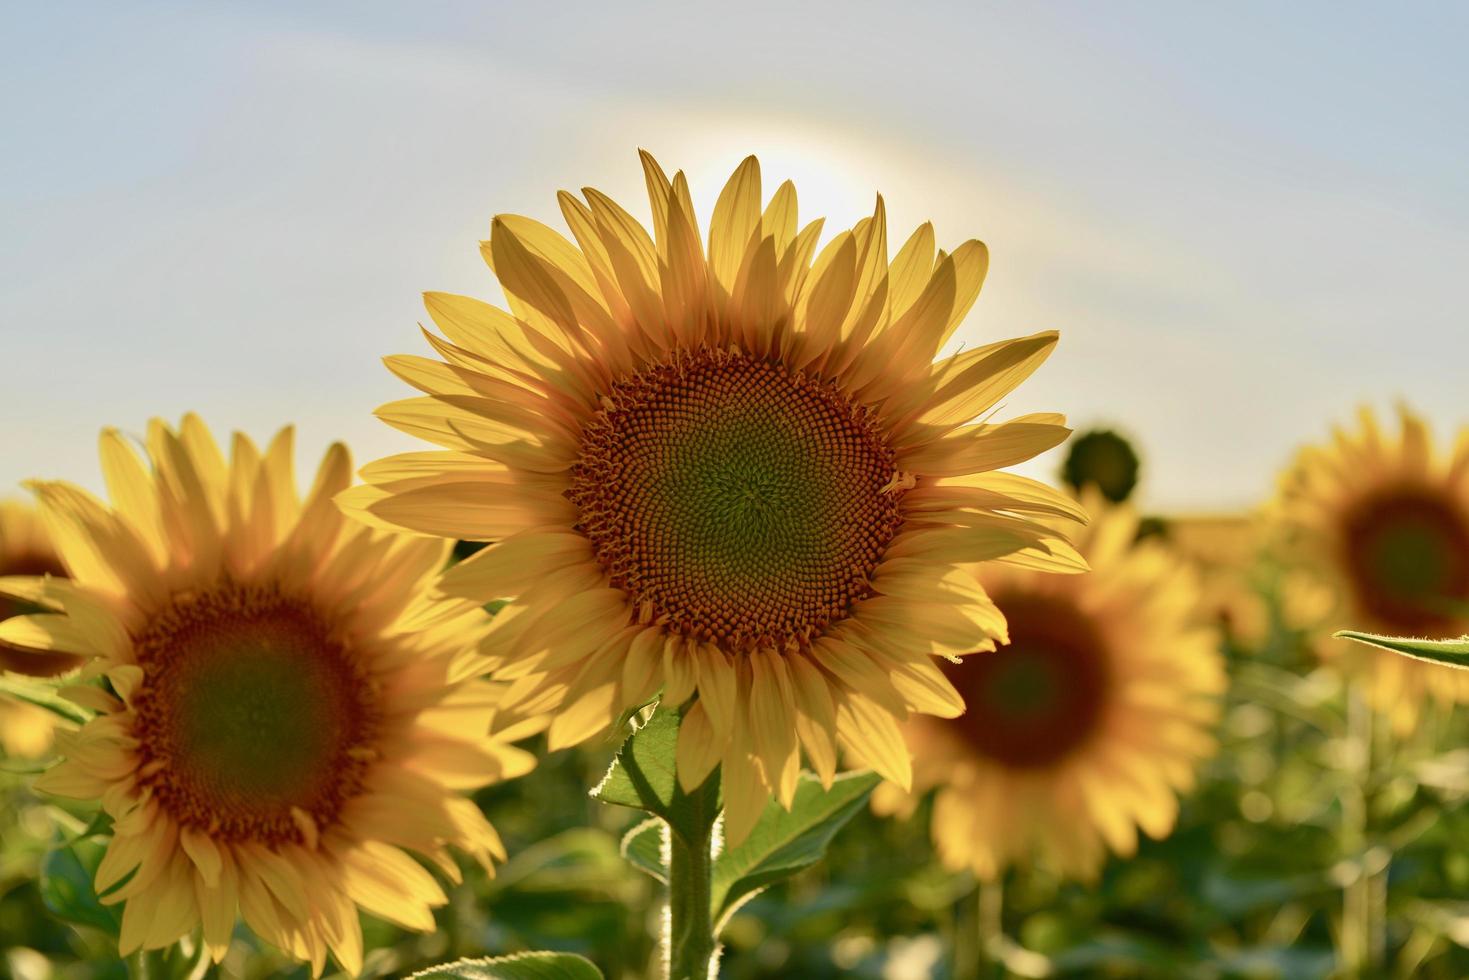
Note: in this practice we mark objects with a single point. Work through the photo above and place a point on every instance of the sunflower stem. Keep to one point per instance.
(1356, 939)
(690, 944)
(991, 928)
(146, 964)
(979, 943)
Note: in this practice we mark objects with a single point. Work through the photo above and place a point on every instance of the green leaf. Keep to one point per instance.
(643, 848)
(1453, 653)
(519, 966)
(43, 695)
(67, 873)
(642, 774)
(784, 843)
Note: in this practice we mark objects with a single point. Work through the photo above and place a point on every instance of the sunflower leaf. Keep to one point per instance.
(518, 966)
(643, 848)
(43, 695)
(784, 843)
(642, 774)
(65, 884)
(1452, 653)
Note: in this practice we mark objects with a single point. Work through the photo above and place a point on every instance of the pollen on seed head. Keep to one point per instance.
(739, 501)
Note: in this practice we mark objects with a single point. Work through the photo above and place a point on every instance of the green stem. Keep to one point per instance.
(991, 928)
(691, 946)
(979, 941)
(1357, 899)
(146, 964)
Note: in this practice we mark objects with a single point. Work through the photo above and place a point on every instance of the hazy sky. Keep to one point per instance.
(1244, 219)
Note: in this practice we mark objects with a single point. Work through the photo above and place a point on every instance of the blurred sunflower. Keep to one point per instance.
(1104, 460)
(1224, 548)
(735, 474)
(1082, 730)
(26, 731)
(26, 550)
(1382, 524)
(286, 709)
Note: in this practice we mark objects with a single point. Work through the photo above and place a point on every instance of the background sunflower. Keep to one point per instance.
(1087, 726)
(1376, 529)
(281, 709)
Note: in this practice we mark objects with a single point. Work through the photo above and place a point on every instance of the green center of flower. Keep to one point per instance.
(736, 500)
(1035, 701)
(252, 718)
(1407, 551)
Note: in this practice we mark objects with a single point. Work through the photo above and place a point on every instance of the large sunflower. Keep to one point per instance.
(285, 711)
(1383, 524)
(1086, 727)
(735, 475)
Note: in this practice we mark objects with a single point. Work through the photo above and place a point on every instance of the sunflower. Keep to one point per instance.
(1102, 459)
(1082, 730)
(282, 707)
(26, 731)
(26, 550)
(1382, 525)
(735, 475)
(1225, 549)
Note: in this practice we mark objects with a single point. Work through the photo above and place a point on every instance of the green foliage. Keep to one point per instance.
(66, 876)
(1453, 653)
(643, 848)
(642, 774)
(783, 843)
(42, 694)
(520, 966)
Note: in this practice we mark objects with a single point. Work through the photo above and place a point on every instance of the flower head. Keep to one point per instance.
(1380, 526)
(283, 707)
(1086, 726)
(733, 473)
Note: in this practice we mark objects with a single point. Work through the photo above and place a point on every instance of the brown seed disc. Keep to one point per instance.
(1033, 702)
(1406, 550)
(736, 500)
(249, 708)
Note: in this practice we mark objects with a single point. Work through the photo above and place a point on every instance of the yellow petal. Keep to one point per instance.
(505, 568)
(872, 734)
(735, 221)
(976, 448)
(47, 632)
(745, 797)
(680, 674)
(716, 687)
(699, 748)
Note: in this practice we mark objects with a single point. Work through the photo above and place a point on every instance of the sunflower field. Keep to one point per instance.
(715, 615)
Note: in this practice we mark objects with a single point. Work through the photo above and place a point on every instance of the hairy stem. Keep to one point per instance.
(690, 940)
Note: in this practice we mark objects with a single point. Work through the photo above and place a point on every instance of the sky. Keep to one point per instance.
(1244, 219)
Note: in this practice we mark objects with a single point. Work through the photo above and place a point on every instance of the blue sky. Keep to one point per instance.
(1245, 219)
